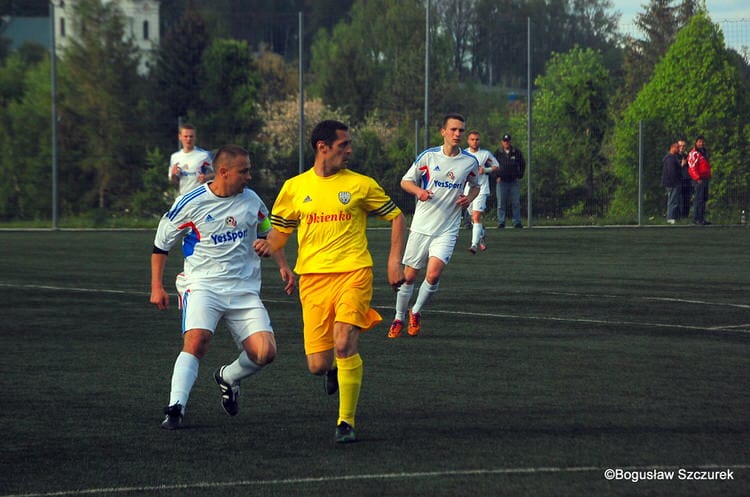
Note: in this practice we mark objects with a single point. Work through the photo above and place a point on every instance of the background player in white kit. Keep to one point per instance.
(487, 165)
(191, 166)
(218, 223)
(437, 180)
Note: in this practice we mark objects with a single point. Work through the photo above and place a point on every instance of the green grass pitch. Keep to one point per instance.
(543, 362)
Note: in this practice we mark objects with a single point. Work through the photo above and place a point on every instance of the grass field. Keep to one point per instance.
(550, 358)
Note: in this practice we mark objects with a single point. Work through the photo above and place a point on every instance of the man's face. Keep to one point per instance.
(681, 145)
(700, 143)
(337, 155)
(506, 144)
(238, 174)
(453, 132)
(187, 139)
(473, 141)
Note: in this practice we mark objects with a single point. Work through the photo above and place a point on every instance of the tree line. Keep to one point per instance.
(230, 68)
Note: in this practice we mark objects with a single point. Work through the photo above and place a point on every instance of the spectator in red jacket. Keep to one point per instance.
(699, 168)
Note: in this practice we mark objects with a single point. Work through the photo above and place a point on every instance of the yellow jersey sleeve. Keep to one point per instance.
(330, 215)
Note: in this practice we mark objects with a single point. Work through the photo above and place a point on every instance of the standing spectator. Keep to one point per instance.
(699, 168)
(487, 165)
(329, 205)
(671, 179)
(190, 166)
(436, 178)
(512, 167)
(687, 188)
(217, 223)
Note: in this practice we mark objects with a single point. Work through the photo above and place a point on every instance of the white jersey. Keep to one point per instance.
(486, 159)
(217, 238)
(190, 163)
(445, 177)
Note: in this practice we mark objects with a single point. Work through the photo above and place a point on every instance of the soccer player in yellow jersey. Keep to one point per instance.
(329, 206)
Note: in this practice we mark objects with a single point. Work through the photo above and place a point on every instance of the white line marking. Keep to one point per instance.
(741, 328)
(374, 476)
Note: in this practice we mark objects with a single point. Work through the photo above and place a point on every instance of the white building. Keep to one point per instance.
(142, 25)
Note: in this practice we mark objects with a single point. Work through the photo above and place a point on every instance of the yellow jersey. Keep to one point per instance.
(330, 215)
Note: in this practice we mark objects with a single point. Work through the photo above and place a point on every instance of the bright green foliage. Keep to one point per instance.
(570, 119)
(695, 89)
(228, 95)
(25, 146)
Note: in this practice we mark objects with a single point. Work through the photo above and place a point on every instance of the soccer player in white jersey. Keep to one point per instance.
(191, 166)
(437, 179)
(218, 223)
(487, 165)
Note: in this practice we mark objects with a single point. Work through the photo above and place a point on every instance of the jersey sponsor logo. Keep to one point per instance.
(345, 197)
(229, 236)
(328, 218)
(447, 184)
(231, 221)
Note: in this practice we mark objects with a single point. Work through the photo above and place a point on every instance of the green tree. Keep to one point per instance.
(178, 73)
(25, 147)
(99, 127)
(697, 88)
(571, 120)
(228, 95)
(660, 23)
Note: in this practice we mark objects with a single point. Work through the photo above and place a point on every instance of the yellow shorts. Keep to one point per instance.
(335, 297)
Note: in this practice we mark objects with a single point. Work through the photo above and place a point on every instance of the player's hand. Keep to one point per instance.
(424, 195)
(288, 276)
(176, 171)
(396, 276)
(262, 247)
(160, 298)
(463, 201)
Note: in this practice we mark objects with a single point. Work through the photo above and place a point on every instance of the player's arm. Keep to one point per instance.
(410, 186)
(159, 296)
(174, 174)
(274, 241)
(398, 241)
(287, 275)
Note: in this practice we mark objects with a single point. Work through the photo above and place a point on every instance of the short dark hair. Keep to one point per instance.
(473, 132)
(228, 152)
(186, 126)
(452, 115)
(325, 131)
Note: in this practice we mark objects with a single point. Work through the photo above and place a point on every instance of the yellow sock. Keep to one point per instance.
(350, 382)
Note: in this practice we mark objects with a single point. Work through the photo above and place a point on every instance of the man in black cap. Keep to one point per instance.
(511, 170)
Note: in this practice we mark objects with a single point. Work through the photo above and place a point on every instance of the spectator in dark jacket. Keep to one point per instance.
(671, 179)
(512, 167)
(700, 170)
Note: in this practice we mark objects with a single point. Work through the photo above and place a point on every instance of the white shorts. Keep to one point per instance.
(479, 203)
(180, 283)
(420, 247)
(243, 313)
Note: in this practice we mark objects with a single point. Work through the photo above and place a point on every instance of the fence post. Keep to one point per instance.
(640, 172)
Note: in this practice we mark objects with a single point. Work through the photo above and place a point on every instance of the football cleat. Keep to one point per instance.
(482, 244)
(331, 382)
(395, 330)
(229, 393)
(415, 323)
(473, 249)
(345, 433)
(173, 418)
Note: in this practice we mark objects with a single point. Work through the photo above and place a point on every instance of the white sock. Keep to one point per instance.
(426, 291)
(240, 369)
(183, 377)
(402, 300)
(477, 231)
